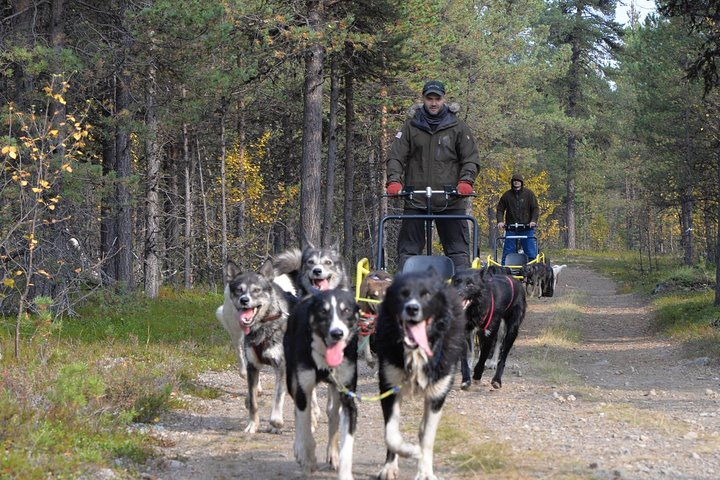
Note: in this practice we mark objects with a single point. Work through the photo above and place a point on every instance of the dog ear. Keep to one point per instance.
(231, 271)
(306, 243)
(267, 270)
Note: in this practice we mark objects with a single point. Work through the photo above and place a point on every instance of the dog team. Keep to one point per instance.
(297, 315)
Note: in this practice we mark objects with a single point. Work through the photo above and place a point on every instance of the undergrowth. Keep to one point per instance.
(68, 406)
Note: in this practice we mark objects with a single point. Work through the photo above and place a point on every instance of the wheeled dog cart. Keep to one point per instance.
(515, 261)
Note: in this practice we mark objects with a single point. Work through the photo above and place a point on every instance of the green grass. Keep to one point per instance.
(65, 408)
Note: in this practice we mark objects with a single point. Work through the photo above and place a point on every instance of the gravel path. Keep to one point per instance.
(619, 403)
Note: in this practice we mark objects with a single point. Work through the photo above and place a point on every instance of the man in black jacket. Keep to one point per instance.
(434, 149)
(518, 206)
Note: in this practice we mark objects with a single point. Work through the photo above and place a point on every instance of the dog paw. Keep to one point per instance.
(251, 428)
(277, 423)
(425, 476)
(333, 458)
(389, 472)
(308, 464)
(496, 384)
(477, 375)
(465, 385)
(491, 364)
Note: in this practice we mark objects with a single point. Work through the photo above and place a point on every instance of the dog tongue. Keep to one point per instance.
(322, 284)
(334, 354)
(246, 315)
(418, 333)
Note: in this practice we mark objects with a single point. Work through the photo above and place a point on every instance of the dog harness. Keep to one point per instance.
(260, 348)
(489, 314)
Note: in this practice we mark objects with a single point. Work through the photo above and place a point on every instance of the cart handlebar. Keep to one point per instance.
(448, 191)
(518, 226)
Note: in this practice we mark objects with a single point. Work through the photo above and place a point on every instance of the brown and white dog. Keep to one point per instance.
(373, 288)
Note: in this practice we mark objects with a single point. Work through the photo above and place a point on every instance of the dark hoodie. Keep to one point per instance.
(518, 206)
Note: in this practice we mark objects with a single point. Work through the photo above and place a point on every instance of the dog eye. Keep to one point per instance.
(328, 262)
(425, 294)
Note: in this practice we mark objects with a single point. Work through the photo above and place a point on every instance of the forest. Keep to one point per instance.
(145, 142)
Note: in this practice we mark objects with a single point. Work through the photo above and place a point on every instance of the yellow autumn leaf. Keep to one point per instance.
(24, 183)
(51, 207)
(18, 272)
(37, 189)
(53, 133)
(8, 282)
(44, 183)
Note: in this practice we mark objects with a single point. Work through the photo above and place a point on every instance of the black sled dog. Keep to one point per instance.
(419, 339)
(321, 346)
(494, 303)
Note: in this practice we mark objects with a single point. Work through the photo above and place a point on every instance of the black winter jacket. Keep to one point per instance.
(420, 157)
(518, 207)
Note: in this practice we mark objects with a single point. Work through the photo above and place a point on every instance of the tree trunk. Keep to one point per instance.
(223, 188)
(382, 162)
(570, 193)
(312, 132)
(348, 230)
(206, 217)
(108, 223)
(241, 207)
(332, 157)
(152, 212)
(123, 258)
(572, 112)
(686, 224)
(717, 238)
(189, 162)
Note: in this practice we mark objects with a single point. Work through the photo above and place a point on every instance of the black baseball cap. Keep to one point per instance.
(433, 86)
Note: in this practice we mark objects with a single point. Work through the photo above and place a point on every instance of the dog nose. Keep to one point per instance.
(336, 334)
(244, 300)
(317, 271)
(412, 309)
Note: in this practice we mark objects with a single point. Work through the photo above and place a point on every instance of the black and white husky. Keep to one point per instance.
(312, 269)
(255, 314)
(420, 335)
(321, 346)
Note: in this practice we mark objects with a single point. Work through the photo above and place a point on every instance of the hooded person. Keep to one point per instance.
(518, 211)
(436, 149)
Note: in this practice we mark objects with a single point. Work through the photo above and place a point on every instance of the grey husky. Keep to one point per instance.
(313, 269)
(255, 314)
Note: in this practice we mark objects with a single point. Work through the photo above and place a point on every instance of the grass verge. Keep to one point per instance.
(68, 406)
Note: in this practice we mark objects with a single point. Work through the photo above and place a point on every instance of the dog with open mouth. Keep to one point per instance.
(321, 347)
(495, 306)
(313, 269)
(420, 334)
(255, 314)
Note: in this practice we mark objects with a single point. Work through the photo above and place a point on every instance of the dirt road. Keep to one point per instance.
(619, 403)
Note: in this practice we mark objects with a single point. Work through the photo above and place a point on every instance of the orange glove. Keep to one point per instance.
(464, 187)
(393, 188)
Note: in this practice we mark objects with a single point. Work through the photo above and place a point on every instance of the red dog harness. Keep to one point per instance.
(489, 314)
